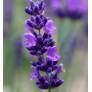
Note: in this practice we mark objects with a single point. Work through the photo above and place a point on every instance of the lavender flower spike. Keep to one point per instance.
(74, 9)
(41, 45)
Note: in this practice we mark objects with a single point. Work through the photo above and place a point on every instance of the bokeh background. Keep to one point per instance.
(72, 40)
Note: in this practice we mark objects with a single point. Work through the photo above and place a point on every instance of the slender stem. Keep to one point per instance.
(49, 90)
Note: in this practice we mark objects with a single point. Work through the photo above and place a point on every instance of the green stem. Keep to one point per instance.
(49, 90)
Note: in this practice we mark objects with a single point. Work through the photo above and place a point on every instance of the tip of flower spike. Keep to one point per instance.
(36, 8)
(42, 4)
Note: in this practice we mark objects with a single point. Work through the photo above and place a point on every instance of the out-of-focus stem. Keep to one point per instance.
(49, 90)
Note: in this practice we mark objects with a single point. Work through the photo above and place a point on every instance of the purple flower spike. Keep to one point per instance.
(42, 46)
(50, 27)
(29, 40)
(52, 53)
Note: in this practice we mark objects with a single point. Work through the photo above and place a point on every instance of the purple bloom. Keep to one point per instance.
(34, 74)
(43, 82)
(50, 27)
(36, 22)
(28, 27)
(60, 68)
(56, 81)
(41, 6)
(52, 54)
(35, 9)
(29, 40)
(40, 44)
(75, 9)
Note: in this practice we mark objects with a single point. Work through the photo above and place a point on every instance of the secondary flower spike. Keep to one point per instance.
(41, 45)
(73, 9)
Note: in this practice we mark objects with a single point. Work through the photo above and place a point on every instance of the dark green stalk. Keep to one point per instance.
(49, 90)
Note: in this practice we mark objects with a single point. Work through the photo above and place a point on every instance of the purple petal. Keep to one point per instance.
(27, 26)
(34, 74)
(59, 82)
(50, 27)
(73, 4)
(55, 4)
(52, 54)
(29, 40)
(83, 6)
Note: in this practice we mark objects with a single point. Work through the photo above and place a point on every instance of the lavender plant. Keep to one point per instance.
(40, 44)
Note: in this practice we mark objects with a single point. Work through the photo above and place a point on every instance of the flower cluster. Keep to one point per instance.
(75, 9)
(41, 45)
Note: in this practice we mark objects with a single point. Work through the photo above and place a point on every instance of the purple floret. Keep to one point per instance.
(50, 27)
(29, 40)
(52, 53)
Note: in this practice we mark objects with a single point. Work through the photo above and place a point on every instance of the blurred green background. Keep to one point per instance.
(71, 39)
